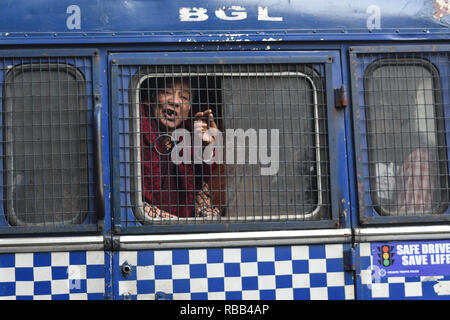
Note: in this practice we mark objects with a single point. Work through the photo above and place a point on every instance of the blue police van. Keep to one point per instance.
(330, 178)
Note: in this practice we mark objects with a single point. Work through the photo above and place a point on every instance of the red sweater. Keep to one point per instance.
(168, 186)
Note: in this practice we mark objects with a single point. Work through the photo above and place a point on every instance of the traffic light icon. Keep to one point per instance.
(386, 255)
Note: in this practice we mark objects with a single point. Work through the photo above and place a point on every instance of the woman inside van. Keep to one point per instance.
(173, 190)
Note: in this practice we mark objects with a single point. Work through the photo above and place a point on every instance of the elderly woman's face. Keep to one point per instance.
(173, 105)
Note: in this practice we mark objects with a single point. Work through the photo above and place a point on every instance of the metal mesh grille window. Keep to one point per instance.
(47, 141)
(222, 143)
(405, 135)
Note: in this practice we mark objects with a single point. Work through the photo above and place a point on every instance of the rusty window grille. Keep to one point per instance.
(272, 120)
(406, 137)
(47, 141)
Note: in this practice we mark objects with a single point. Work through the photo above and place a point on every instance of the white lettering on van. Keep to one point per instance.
(233, 13)
(263, 15)
(374, 20)
(73, 21)
(193, 14)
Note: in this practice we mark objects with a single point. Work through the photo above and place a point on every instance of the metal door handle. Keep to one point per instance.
(99, 190)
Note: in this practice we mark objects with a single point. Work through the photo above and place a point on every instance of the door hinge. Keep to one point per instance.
(340, 97)
(350, 260)
(112, 243)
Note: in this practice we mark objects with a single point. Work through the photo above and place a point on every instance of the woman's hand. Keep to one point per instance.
(203, 121)
(203, 206)
(155, 213)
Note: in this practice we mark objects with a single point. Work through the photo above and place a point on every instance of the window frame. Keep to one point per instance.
(367, 212)
(94, 219)
(140, 60)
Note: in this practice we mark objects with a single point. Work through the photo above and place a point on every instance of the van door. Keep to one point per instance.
(401, 120)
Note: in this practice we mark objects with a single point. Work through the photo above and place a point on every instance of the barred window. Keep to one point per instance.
(47, 143)
(405, 127)
(262, 155)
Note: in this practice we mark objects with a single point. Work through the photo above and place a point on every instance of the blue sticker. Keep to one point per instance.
(412, 258)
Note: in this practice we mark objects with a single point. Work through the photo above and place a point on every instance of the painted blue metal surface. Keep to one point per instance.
(219, 20)
(255, 273)
(217, 15)
(74, 275)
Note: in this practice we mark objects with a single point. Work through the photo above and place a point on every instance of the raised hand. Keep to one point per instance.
(203, 121)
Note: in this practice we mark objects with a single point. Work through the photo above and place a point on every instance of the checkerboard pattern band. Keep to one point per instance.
(285, 272)
(56, 275)
(371, 286)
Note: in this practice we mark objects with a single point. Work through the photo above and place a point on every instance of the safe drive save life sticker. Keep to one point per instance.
(412, 258)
